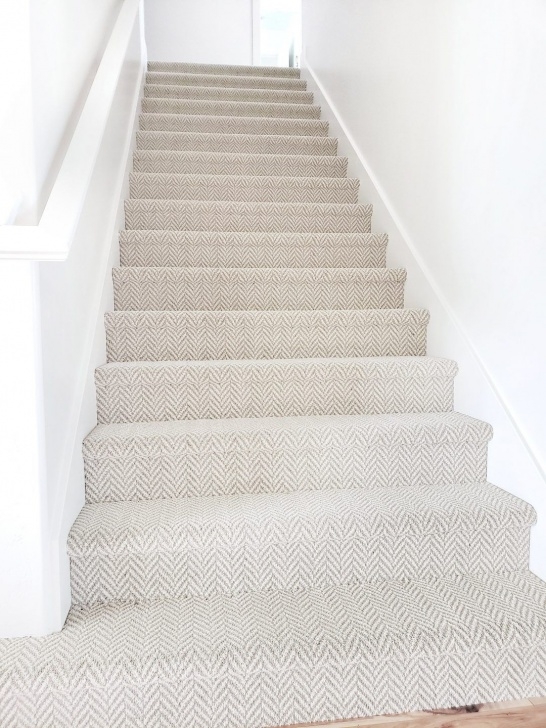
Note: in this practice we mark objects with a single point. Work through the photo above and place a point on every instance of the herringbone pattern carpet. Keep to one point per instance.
(285, 519)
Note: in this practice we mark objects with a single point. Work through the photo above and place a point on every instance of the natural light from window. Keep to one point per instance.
(280, 32)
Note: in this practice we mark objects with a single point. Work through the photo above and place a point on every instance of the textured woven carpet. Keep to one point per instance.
(285, 520)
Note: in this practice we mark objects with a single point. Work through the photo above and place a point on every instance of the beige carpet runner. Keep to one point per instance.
(286, 521)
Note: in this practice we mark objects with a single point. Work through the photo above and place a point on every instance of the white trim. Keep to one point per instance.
(427, 274)
(52, 238)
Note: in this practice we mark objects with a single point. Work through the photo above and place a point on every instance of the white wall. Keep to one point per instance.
(67, 41)
(52, 49)
(51, 325)
(444, 102)
(202, 31)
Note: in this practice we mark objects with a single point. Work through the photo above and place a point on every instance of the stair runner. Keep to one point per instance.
(286, 521)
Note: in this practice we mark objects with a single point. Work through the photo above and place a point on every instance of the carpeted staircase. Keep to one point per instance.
(286, 521)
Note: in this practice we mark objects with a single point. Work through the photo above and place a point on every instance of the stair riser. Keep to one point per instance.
(147, 394)
(196, 465)
(170, 292)
(373, 256)
(147, 248)
(253, 165)
(195, 79)
(242, 189)
(230, 108)
(213, 70)
(153, 338)
(235, 143)
(296, 565)
(209, 93)
(151, 215)
(204, 124)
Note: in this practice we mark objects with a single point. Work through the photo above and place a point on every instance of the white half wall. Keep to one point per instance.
(199, 31)
(440, 106)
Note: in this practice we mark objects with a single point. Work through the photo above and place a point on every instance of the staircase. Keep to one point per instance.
(286, 521)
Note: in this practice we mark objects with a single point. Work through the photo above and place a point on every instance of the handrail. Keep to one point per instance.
(51, 239)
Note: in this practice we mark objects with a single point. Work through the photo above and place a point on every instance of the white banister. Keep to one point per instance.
(52, 237)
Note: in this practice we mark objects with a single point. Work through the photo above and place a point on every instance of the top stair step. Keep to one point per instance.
(206, 79)
(223, 70)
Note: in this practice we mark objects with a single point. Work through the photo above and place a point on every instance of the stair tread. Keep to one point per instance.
(251, 249)
(172, 141)
(282, 643)
(245, 179)
(321, 317)
(247, 216)
(374, 366)
(176, 288)
(240, 81)
(307, 209)
(262, 274)
(175, 390)
(226, 93)
(211, 522)
(150, 335)
(285, 239)
(188, 458)
(242, 188)
(230, 108)
(218, 124)
(223, 69)
(317, 159)
(412, 427)
(239, 163)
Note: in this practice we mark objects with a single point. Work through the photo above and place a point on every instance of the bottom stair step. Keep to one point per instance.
(268, 659)
(276, 541)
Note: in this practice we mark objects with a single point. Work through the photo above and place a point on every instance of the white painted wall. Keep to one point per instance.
(202, 31)
(52, 49)
(67, 42)
(51, 325)
(441, 105)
